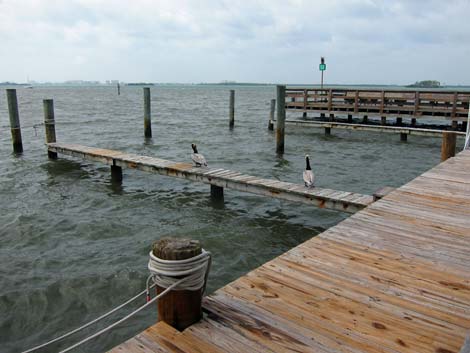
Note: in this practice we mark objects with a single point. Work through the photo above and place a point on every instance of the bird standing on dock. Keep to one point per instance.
(198, 158)
(308, 175)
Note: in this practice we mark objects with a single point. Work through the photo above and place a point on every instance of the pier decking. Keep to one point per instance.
(394, 277)
(320, 197)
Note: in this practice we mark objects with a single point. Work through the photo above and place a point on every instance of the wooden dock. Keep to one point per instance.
(320, 197)
(394, 277)
(382, 103)
(412, 131)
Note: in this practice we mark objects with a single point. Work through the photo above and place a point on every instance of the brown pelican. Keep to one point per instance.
(198, 158)
(308, 175)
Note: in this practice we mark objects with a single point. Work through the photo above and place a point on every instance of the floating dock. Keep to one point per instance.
(394, 277)
(344, 201)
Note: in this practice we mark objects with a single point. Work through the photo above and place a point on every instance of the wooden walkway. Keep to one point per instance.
(372, 128)
(344, 201)
(394, 277)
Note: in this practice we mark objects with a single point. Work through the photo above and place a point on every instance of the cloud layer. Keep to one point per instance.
(364, 41)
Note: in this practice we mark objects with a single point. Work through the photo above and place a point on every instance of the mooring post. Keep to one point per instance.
(403, 136)
(449, 140)
(232, 109)
(147, 113)
(116, 173)
(281, 118)
(178, 308)
(271, 115)
(14, 121)
(49, 124)
(217, 193)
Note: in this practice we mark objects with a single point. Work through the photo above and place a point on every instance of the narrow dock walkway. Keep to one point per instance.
(394, 277)
(349, 202)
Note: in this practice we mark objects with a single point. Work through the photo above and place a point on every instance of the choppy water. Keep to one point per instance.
(72, 245)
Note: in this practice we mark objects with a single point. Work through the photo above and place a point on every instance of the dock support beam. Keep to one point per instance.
(281, 118)
(448, 145)
(217, 193)
(232, 109)
(116, 174)
(403, 137)
(271, 115)
(14, 121)
(147, 113)
(179, 308)
(49, 124)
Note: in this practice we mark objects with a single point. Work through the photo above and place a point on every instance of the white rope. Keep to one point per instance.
(164, 273)
(195, 270)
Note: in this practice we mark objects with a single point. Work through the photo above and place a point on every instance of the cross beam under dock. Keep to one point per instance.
(349, 202)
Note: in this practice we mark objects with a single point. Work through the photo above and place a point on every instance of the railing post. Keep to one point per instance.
(281, 118)
(49, 124)
(147, 113)
(178, 308)
(271, 115)
(448, 145)
(232, 109)
(14, 121)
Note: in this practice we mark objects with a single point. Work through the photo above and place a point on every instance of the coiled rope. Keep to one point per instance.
(189, 274)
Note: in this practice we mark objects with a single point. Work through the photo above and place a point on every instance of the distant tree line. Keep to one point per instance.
(426, 84)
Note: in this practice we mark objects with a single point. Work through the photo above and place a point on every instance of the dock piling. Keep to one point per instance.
(365, 119)
(116, 174)
(49, 125)
(217, 193)
(403, 137)
(147, 113)
(448, 145)
(281, 118)
(232, 109)
(350, 118)
(14, 121)
(327, 131)
(383, 120)
(399, 121)
(271, 115)
(178, 308)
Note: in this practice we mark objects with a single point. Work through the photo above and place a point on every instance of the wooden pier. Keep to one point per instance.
(349, 202)
(382, 103)
(394, 277)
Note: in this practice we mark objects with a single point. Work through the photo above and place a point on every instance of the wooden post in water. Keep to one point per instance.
(383, 120)
(147, 113)
(399, 121)
(327, 131)
(449, 140)
(116, 174)
(217, 193)
(14, 121)
(349, 118)
(119, 89)
(403, 137)
(232, 109)
(281, 118)
(271, 115)
(332, 117)
(179, 308)
(49, 124)
(413, 122)
(365, 119)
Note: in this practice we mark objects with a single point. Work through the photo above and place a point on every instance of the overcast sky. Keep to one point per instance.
(363, 41)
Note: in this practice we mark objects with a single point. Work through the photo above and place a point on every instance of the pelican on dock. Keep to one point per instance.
(308, 175)
(198, 158)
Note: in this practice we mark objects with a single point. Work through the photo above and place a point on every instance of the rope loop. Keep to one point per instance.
(165, 273)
